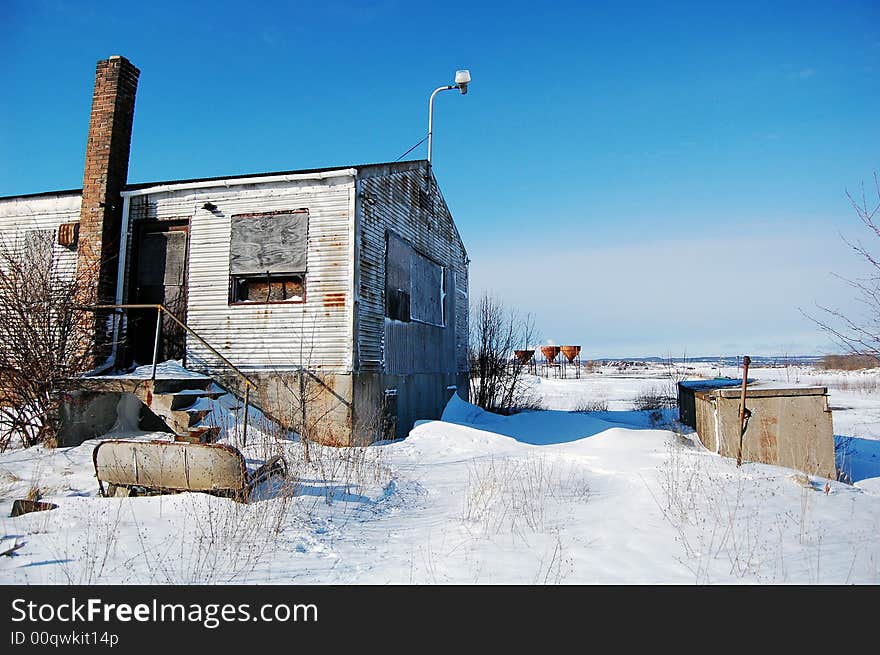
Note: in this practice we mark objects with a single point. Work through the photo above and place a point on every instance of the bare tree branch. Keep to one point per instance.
(859, 334)
(498, 381)
(45, 342)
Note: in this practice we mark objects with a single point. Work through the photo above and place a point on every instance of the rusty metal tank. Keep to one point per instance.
(570, 352)
(523, 356)
(550, 352)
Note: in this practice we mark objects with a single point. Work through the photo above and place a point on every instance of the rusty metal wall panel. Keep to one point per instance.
(47, 213)
(391, 201)
(416, 347)
(276, 336)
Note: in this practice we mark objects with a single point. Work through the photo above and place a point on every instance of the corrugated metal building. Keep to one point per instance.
(341, 289)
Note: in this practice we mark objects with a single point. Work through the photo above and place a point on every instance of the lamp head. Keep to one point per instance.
(462, 79)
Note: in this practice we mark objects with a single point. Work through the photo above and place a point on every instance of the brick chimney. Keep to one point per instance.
(105, 176)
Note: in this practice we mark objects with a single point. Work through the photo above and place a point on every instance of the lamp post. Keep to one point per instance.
(462, 79)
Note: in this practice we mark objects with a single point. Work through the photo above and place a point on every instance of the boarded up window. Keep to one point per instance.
(276, 242)
(414, 284)
(267, 257)
(397, 278)
(426, 297)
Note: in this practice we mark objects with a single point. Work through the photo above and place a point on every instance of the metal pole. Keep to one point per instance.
(156, 342)
(431, 117)
(247, 392)
(742, 409)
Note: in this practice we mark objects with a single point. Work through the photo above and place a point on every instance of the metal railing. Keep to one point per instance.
(248, 383)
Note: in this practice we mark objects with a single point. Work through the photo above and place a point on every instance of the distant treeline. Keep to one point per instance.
(850, 362)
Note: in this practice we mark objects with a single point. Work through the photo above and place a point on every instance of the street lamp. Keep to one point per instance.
(462, 79)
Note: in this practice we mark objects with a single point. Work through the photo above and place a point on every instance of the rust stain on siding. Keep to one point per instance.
(334, 299)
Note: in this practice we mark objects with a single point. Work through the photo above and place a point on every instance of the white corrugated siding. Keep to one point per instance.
(43, 213)
(317, 333)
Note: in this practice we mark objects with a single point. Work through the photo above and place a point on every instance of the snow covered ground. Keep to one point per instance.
(553, 496)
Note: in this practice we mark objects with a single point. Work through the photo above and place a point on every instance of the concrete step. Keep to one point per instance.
(181, 420)
(175, 403)
(201, 434)
(188, 397)
(191, 417)
(140, 385)
(175, 385)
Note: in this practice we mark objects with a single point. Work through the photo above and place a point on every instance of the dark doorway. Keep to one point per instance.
(159, 278)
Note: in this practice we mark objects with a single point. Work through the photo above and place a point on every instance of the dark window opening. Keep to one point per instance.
(415, 286)
(268, 288)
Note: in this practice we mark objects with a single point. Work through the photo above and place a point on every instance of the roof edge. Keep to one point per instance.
(43, 194)
(401, 165)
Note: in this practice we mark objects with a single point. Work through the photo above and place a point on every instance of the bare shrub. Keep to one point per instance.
(87, 557)
(512, 496)
(857, 384)
(717, 519)
(45, 342)
(860, 334)
(591, 405)
(345, 473)
(848, 362)
(558, 565)
(34, 493)
(653, 398)
(221, 541)
(497, 382)
(730, 526)
(528, 401)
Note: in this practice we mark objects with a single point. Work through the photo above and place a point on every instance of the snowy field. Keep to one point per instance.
(544, 497)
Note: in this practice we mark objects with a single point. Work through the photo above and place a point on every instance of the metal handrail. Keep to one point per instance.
(248, 383)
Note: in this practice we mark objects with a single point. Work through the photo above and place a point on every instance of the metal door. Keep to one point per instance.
(160, 279)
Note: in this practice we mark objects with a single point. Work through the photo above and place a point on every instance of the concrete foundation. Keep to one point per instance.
(401, 400)
(86, 414)
(354, 409)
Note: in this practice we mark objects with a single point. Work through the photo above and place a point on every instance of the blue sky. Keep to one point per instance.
(644, 178)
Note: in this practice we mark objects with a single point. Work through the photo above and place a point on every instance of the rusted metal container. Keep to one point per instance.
(570, 352)
(523, 356)
(550, 352)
